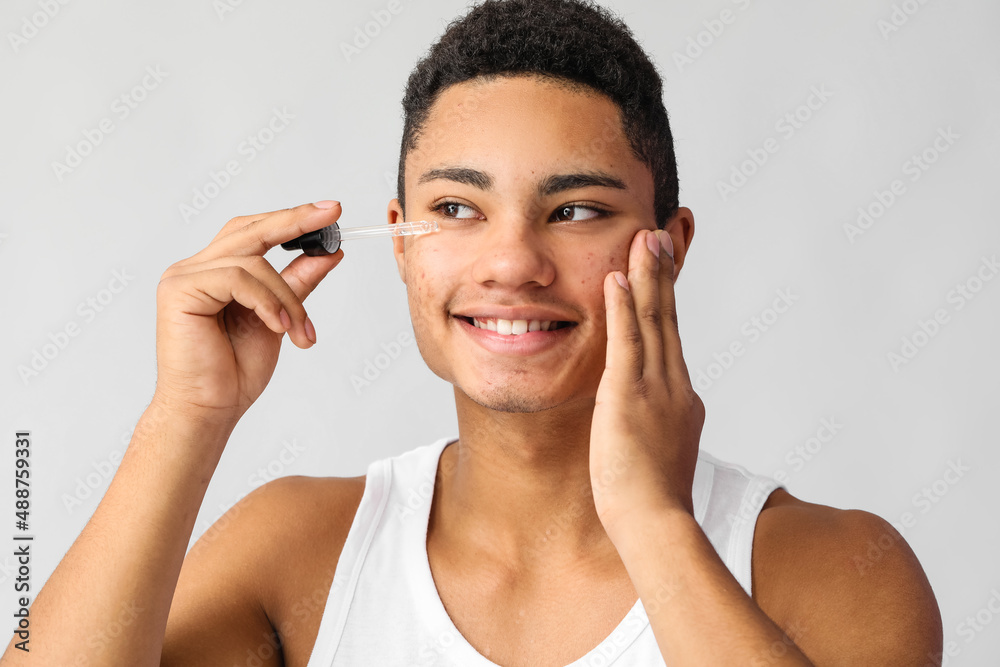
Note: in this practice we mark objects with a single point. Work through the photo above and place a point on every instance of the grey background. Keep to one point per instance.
(226, 71)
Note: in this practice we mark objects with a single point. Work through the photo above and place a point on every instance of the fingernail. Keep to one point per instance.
(310, 330)
(653, 243)
(622, 280)
(326, 203)
(668, 243)
(285, 320)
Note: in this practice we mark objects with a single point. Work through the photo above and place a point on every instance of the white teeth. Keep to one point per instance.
(512, 327)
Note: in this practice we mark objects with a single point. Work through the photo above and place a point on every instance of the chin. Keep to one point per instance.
(505, 400)
(511, 396)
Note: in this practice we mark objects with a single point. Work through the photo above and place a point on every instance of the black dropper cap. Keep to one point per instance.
(324, 241)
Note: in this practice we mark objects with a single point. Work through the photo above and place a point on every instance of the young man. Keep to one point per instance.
(574, 520)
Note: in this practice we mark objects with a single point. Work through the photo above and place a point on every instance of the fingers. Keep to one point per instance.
(643, 278)
(305, 272)
(209, 291)
(256, 234)
(625, 352)
(651, 281)
(240, 246)
(674, 356)
(242, 221)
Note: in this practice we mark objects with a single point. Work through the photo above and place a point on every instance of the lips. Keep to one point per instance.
(515, 330)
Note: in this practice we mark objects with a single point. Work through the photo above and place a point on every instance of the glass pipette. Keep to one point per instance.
(326, 241)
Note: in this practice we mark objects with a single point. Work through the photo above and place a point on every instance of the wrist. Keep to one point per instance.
(166, 409)
(181, 428)
(633, 527)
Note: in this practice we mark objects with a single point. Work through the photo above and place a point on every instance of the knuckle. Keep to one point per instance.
(164, 287)
(235, 273)
(175, 268)
(255, 263)
(242, 221)
(249, 225)
(294, 306)
(651, 314)
(273, 302)
(693, 403)
(642, 389)
(671, 314)
(633, 337)
(234, 225)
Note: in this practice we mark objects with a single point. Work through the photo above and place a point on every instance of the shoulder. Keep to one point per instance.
(265, 566)
(291, 507)
(843, 584)
(301, 523)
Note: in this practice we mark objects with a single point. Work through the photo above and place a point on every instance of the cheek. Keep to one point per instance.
(426, 276)
(601, 263)
(425, 270)
(425, 307)
(616, 257)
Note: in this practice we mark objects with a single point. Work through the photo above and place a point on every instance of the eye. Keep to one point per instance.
(451, 209)
(577, 213)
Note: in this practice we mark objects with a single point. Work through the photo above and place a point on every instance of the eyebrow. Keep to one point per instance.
(464, 175)
(556, 183)
(548, 186)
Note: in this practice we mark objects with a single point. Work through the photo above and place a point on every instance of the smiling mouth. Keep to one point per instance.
(515, 327)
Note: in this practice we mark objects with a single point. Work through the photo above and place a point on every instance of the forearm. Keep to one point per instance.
(698, 611)
(107, 601)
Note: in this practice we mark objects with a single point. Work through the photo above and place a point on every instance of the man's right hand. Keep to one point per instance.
(221, 314)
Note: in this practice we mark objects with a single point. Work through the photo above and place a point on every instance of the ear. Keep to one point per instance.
(395, 214)
(681, 229)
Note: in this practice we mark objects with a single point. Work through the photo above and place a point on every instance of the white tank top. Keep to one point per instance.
(384, 609)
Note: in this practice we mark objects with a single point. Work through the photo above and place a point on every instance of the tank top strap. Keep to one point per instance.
(732, 498)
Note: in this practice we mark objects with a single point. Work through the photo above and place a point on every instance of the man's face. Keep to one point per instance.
(538, 195)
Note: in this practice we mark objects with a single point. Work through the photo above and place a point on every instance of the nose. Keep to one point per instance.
(513, 254)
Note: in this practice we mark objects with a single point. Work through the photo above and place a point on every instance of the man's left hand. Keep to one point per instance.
(648, 419)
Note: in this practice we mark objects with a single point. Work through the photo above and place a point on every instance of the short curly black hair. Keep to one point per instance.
(573, 41)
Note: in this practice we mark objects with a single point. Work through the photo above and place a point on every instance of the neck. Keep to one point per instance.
(516, 488)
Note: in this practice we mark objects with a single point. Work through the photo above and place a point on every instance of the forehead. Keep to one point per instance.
(529, 122)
